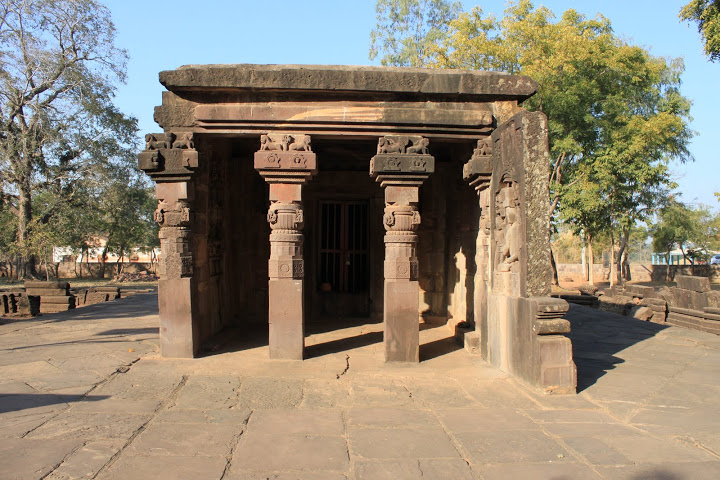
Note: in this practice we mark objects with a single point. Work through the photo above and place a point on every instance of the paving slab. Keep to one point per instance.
(86, 461)
(297, 422)
(178, 439)
(542, 471)
(165, 468)
(86, 395)
(402, 469)
(22, 458)
(401, 443)
(291, 452)
(512, 446)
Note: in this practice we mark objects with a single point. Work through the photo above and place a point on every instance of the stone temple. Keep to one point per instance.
(296, 192)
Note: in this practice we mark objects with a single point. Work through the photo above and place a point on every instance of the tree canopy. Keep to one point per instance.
(706, 13)
(616, 116)
(60, 132)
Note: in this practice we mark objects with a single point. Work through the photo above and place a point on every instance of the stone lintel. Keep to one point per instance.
(420, 113)
(363, 80)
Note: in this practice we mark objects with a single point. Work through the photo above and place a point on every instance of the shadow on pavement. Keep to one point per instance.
(13, 402)
(438, 348)
(343, 344)
(597, 336)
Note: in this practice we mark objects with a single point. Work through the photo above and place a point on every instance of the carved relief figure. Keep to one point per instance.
(184, 140)
(392, 144)
(419, 145)
(301, 143)
(155, 141)
(274, 142)
(483, 148)
(510, 241)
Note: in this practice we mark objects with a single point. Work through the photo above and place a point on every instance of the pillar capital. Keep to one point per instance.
(402, 161)
(478, 170)
(169, 156)
(285, 158)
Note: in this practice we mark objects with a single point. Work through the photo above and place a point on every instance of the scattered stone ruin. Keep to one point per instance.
(690, 304)
(394, 194)
(39, 297)
(54, 296)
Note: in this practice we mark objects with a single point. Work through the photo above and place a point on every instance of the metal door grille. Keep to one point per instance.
(344, 246)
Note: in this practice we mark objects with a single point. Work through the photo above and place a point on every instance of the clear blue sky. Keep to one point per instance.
(165, 34)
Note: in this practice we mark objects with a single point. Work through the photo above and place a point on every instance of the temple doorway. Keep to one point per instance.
(343, 258)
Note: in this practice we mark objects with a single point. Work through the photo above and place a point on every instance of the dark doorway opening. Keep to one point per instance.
(343, 258)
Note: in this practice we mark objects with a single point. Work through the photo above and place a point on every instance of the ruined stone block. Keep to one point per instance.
(696, 284)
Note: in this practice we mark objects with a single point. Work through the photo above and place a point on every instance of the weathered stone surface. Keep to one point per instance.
(696, 284)
(373, 80)
(41, 285)
(38, 456)
(166, 439)
(640, 291)
(172, 467)
(290, 452)
(386, 443)
(641, 313)
(265, 392)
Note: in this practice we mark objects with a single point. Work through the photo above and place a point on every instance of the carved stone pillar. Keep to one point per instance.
(286, 162)
(478, 173)
(401, 165)
(170, 160)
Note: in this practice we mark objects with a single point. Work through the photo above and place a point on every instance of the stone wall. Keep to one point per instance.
(573, 272)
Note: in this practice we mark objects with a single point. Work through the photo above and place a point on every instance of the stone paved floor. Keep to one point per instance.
(85, 395)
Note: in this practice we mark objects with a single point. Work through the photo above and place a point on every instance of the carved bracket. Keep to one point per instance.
(285, 153)
(169, 156)
(479, 168)
(549, 316)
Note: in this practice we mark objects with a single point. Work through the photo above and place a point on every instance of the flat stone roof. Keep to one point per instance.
(445, 83)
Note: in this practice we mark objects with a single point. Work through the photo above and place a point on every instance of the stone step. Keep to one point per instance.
(57, 300)
(46, 285)
(41, 292)
(694, 323)
(54, 308)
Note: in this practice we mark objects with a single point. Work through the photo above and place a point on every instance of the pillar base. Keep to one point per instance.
(286, 319)
(178, 332)
(402, 321)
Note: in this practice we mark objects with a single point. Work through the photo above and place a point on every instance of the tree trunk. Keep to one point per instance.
(103, 258)
(26, 264)
(591, 263)
(554, 269)
(622, 248)
(627, 275)
(667, 272)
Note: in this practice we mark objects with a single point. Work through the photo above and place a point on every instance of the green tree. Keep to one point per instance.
(125, 213)
(58, 70)
(406, 29)
(694, 230)
(707, 15)
(615, 114)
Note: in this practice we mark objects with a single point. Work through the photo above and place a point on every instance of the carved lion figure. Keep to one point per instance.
(184, 140)
(392, 144)
(268, 142)
(420, 145)
(155, 141)
(301, 143)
